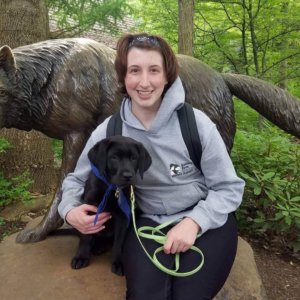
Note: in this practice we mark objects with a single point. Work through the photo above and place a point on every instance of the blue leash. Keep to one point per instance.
(122, 200)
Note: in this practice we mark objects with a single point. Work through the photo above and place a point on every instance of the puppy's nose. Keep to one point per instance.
(127, 175)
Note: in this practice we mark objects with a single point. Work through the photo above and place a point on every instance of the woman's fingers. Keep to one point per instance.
(181, 237)
(81, 218)
(93, 230)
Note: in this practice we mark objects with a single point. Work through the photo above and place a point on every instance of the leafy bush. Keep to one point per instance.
(269, 163)
(57, 146)
(4, 145)
(16, 188)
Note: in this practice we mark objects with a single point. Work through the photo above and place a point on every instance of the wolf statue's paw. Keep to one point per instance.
(79, 262)
(31, 235)
(38, 233)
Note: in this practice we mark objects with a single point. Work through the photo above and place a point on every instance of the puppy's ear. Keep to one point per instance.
(98, 154)
(145, 159)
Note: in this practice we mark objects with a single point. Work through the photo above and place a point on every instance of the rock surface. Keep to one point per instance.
(42, 271)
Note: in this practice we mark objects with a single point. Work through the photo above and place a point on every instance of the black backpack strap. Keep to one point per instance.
(190, 133)
(114, 126)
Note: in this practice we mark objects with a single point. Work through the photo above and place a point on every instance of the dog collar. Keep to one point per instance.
(122, 200)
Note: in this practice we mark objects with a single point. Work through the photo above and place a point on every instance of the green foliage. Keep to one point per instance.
(4, 145)
(57, 147)
(16, 188)
(157, 17)
(76, 16)
(269, 162)
(259, 38)
(247, 119)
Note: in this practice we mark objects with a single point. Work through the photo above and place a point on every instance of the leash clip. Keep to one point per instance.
(117, 193)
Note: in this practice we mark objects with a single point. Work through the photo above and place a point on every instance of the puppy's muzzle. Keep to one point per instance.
(124, 179)
(128, 176)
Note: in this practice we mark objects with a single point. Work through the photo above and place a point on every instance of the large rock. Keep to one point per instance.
(42, 271)
(244, 282)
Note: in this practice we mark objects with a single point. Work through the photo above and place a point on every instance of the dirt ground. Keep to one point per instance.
(280, 273)
(279, 269)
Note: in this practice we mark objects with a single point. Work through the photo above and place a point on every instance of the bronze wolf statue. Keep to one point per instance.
(65, 87)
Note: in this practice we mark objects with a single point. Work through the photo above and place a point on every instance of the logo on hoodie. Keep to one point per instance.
(177, 170)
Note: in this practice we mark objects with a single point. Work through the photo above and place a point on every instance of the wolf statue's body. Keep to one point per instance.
(65, 87)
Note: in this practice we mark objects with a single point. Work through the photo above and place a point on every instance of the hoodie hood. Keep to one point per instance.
(172, 101)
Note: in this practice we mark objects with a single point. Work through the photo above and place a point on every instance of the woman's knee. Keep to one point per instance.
(219, 249)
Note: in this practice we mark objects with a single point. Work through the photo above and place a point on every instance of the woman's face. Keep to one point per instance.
(145, 78)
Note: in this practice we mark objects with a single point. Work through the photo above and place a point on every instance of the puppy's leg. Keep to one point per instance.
(93, 191)
(104, 240)
(82, 257)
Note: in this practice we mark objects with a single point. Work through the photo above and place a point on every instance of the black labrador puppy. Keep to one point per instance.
(116, 161)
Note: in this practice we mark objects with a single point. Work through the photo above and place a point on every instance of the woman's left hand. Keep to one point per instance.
(182, 236)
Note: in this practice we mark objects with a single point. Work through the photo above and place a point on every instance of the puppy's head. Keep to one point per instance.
(118, 158)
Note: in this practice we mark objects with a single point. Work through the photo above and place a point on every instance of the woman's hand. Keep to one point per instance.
(80, 218)
(182, 236)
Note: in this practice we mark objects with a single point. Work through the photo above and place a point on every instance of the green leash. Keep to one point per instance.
(155, 233)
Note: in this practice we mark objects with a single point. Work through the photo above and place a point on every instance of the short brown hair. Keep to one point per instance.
(145, 41)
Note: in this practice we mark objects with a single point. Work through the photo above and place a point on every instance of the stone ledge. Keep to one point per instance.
(42, 271)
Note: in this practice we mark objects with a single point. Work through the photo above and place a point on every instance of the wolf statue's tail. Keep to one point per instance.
(272, 102)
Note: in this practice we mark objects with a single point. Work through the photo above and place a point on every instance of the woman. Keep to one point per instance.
(173, 188)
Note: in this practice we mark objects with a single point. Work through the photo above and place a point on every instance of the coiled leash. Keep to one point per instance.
(156, 234)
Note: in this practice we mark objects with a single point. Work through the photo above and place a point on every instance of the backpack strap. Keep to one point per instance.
(190, 134)
(114, 126)
(188, 127)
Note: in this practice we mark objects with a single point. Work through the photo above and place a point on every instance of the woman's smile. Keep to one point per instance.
(144, 94)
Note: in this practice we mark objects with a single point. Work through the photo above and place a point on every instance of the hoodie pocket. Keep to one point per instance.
(168, 200)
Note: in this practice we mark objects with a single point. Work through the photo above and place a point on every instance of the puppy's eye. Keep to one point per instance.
(133, 157)
(114, 157)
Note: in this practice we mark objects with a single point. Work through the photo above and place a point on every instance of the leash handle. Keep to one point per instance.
(158, 236)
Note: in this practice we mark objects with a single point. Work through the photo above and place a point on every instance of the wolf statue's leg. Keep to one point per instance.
(73, 145)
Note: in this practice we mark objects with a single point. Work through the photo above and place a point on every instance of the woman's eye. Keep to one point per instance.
(133, 71)
(133, 157)
(154, 70)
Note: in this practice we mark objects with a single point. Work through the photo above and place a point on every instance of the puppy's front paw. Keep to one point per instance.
(79, 262)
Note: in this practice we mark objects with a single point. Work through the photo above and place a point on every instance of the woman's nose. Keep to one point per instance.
(144, 80)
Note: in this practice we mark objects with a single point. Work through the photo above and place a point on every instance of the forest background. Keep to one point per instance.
(260, 38)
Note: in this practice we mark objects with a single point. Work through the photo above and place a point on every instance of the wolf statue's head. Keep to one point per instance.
(40, 82)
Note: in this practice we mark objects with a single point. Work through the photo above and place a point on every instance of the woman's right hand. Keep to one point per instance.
(80, 218)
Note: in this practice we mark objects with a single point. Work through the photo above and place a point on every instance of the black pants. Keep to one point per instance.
(146, 282)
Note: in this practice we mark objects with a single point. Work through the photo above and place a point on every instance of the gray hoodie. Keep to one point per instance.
(172, 185)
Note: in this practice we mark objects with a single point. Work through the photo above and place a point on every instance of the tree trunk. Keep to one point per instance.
(186, 27)
(24, 22)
